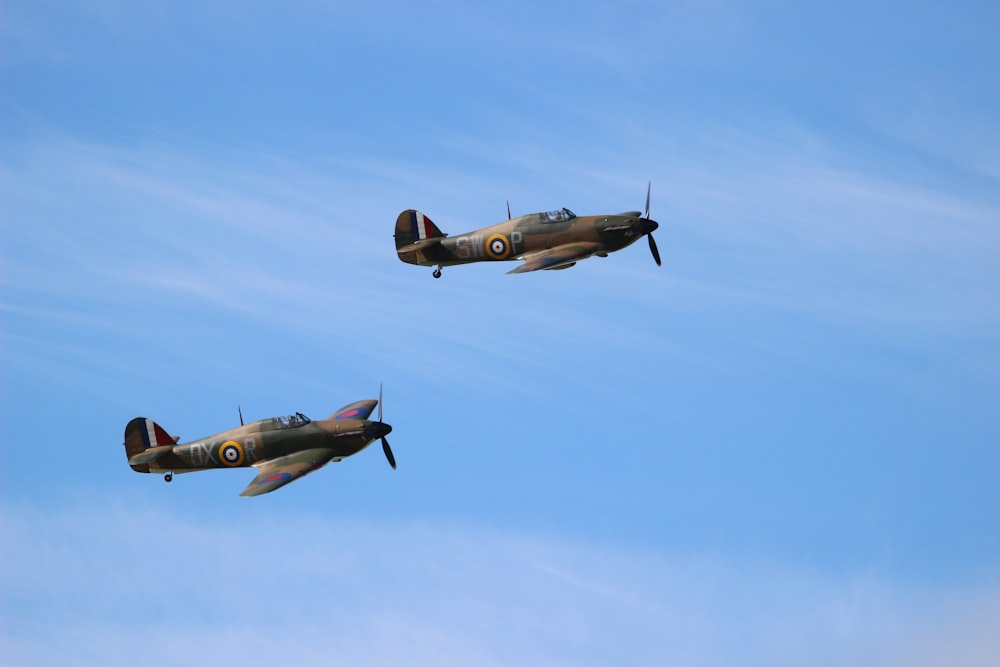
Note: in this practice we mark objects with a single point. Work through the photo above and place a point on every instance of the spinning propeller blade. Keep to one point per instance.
(388, 453)
(649, 234)
(652, 249)
(385, 443)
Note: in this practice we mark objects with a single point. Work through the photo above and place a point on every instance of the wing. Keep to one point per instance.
(560, 257)
(356, 410)
(275, 473)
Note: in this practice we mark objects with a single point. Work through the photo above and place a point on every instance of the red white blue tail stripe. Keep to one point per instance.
(420, 226)
(153, 435)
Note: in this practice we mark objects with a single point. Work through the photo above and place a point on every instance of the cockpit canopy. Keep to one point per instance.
(291, 421)
(557, 216)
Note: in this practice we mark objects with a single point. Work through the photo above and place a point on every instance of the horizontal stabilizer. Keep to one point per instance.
(419, 245)
(149, 455)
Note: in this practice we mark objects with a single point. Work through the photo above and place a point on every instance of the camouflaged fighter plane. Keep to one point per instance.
(552, 240)
(283, 449)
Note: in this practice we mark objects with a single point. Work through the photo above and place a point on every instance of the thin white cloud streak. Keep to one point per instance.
(794, 214)
(100, 585)
(786, 221)
(761, 224)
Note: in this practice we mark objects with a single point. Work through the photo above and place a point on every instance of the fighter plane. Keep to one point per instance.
(283, 449)
(550, 240)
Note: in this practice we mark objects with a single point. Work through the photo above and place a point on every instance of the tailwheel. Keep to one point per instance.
(437, 272)
(168, 477)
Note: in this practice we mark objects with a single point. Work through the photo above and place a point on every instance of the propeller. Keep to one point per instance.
(385, 429)
(652, 249)
(649, 234)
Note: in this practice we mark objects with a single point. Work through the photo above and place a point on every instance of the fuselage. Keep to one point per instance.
(512, 239)
(269, 439)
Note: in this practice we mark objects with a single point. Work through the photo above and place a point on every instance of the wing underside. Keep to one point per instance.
(560, 257)
(276, 473)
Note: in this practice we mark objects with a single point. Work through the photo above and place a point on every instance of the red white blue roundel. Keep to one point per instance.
(276, 477)
(498, 246)
(231, 453)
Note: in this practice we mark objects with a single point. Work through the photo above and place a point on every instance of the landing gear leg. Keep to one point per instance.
(437, 272)
(168, 477)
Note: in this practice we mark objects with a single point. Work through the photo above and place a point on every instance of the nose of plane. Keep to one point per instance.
(641, 226)
(377, 430)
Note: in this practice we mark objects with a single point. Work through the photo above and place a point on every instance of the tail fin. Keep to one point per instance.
(142, 435)
(415, 231)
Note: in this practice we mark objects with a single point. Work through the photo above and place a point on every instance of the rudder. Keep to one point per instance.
(415, 228)
(142, 434)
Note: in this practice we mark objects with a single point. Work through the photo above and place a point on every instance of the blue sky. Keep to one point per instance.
(780, 448)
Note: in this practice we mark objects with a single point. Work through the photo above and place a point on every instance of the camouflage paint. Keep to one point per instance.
(539, 240)
(283, 448)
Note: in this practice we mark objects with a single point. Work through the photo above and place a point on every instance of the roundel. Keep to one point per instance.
(498, 246)
(231, 454)
(276, 477)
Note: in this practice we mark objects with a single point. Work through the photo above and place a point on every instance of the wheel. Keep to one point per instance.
(437, 273)
(169, 476)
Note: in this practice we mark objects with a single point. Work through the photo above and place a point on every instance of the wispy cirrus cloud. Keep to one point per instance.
(118, 580)
(778, 225)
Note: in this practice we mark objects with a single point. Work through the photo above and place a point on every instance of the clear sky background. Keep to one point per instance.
(780, 448)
